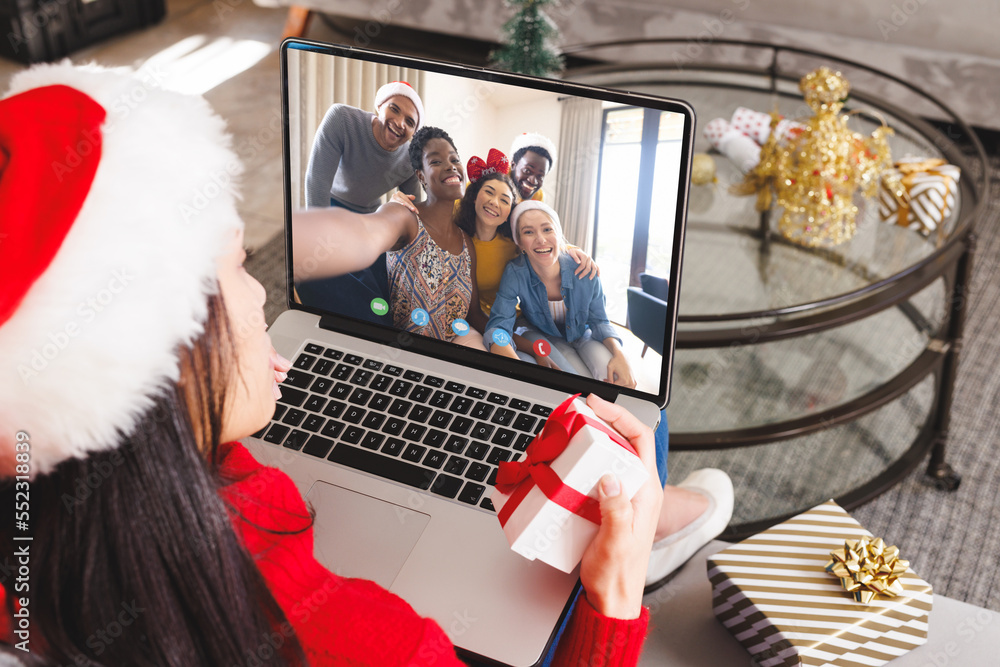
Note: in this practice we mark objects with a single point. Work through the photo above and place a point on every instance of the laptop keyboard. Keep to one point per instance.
(401, 424)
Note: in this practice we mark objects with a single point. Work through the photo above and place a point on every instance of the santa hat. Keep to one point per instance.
(116, 198)
(406, 90)
(534, 204)
(529, 139)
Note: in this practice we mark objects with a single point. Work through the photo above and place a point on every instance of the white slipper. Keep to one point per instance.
(674, 550)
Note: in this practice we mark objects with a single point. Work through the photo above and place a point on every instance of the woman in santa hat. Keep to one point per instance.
(134, 356)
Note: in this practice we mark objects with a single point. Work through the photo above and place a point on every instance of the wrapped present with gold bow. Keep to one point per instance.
(919, 193)
(818, 589)
(547, 500)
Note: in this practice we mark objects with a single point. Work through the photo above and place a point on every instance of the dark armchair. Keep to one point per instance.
(647, 311)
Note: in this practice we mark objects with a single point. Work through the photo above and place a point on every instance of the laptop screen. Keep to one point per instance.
(545, 236)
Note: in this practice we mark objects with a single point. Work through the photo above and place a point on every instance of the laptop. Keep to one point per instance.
(394, 436)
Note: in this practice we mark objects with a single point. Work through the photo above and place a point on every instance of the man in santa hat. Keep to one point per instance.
(358, 156)
(532, 157)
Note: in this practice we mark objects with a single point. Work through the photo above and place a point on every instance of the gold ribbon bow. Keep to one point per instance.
(909, 168)
(867, 567)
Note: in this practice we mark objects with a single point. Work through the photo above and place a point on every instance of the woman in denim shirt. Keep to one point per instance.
(568, 310)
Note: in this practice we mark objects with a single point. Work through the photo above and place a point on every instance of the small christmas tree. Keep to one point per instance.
(529, 40)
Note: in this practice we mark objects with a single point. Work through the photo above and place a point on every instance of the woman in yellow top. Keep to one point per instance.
(483, 213)
(487, 222)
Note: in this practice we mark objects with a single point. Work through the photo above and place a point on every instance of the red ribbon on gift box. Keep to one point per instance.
(517, 478)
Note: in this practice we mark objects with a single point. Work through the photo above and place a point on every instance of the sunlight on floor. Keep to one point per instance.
(197, 64)
(646, 369)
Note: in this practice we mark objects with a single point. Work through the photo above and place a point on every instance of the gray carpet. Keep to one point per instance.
(952, 539)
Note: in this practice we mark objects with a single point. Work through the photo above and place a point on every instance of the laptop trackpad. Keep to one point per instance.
(360, 536)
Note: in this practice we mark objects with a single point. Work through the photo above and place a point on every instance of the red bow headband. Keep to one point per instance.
(496, 163)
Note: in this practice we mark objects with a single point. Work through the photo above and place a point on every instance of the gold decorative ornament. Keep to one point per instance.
(815, 175)
(702, 169)
(867, 567)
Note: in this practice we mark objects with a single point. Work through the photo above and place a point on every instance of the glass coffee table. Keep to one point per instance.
(806, 373)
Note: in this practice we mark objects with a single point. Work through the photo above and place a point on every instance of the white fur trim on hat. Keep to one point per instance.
(528, 139)
(96, 336)
(534, 204)
(406, 90)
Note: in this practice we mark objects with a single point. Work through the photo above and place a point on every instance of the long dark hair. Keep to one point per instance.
(466, 217)
(134, 558)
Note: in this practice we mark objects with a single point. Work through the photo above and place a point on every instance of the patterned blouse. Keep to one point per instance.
(425, 275)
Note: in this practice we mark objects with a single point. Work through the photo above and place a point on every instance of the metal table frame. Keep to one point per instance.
(951, 261)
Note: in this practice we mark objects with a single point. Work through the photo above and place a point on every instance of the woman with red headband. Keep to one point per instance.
(135, 355)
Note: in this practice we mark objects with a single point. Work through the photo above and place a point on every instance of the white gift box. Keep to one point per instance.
(928, 198)
(539, 528)
(732, 143)
(757, 125)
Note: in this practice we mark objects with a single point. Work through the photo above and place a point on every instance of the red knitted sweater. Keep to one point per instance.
(342, 621)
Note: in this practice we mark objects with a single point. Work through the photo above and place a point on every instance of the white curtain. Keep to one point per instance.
(576, 169)
(324, 81)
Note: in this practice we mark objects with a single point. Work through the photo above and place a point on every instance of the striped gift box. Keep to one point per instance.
(772, 593)
(919, 194)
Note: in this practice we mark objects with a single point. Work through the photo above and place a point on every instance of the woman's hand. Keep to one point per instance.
(613, 570)
(586, 267)
(620, 372)
(503, 350)
(404, 199)
(545, 361)
(530, 346)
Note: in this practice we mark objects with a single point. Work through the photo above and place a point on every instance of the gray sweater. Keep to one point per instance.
(348, 165)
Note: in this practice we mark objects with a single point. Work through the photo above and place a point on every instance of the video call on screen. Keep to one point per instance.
(614, 186)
